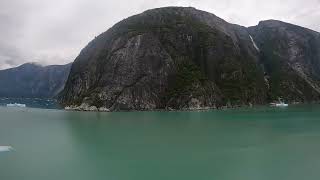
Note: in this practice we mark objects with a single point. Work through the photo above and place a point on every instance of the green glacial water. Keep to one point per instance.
(245, 144)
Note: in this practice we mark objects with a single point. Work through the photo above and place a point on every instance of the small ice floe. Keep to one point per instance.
(16, 105)
(280, 103)
(5, 148)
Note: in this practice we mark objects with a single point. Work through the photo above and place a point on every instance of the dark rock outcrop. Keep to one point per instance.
(291, 59)
(32, 80)
(183, 58)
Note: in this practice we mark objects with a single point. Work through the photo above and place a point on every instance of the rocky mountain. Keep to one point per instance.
(290, 56)
(32, 80)
(184, 58)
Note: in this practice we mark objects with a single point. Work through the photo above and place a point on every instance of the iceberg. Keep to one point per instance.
(5, 148)
(16, 105)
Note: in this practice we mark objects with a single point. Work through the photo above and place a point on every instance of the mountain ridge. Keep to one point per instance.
(184, 58)
(33, 80)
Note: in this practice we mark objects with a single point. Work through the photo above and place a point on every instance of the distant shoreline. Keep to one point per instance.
(94, 109)
(86, 108)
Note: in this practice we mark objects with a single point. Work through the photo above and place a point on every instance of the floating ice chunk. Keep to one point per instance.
(5, 148)
(254, 44)
(16, 105)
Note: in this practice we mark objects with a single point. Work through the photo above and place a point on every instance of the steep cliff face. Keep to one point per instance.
(182, 58)
(31, 80)
(177, 58)
(291, 57)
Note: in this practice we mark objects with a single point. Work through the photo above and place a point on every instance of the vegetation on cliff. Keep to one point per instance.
(183, 58)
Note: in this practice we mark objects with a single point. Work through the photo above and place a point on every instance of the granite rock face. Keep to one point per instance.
(291, 58)
(32, 80)
(180, 58)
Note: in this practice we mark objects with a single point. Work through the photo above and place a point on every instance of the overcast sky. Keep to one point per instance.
(54, 31)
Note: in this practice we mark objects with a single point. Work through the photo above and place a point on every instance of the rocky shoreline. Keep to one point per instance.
(84, 107)
(87, 107)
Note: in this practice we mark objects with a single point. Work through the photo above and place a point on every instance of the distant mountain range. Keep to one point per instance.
(32, 80)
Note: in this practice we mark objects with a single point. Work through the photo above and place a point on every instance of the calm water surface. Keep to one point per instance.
(246, 144)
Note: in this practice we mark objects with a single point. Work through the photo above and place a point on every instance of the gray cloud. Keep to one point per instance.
(54, 32)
